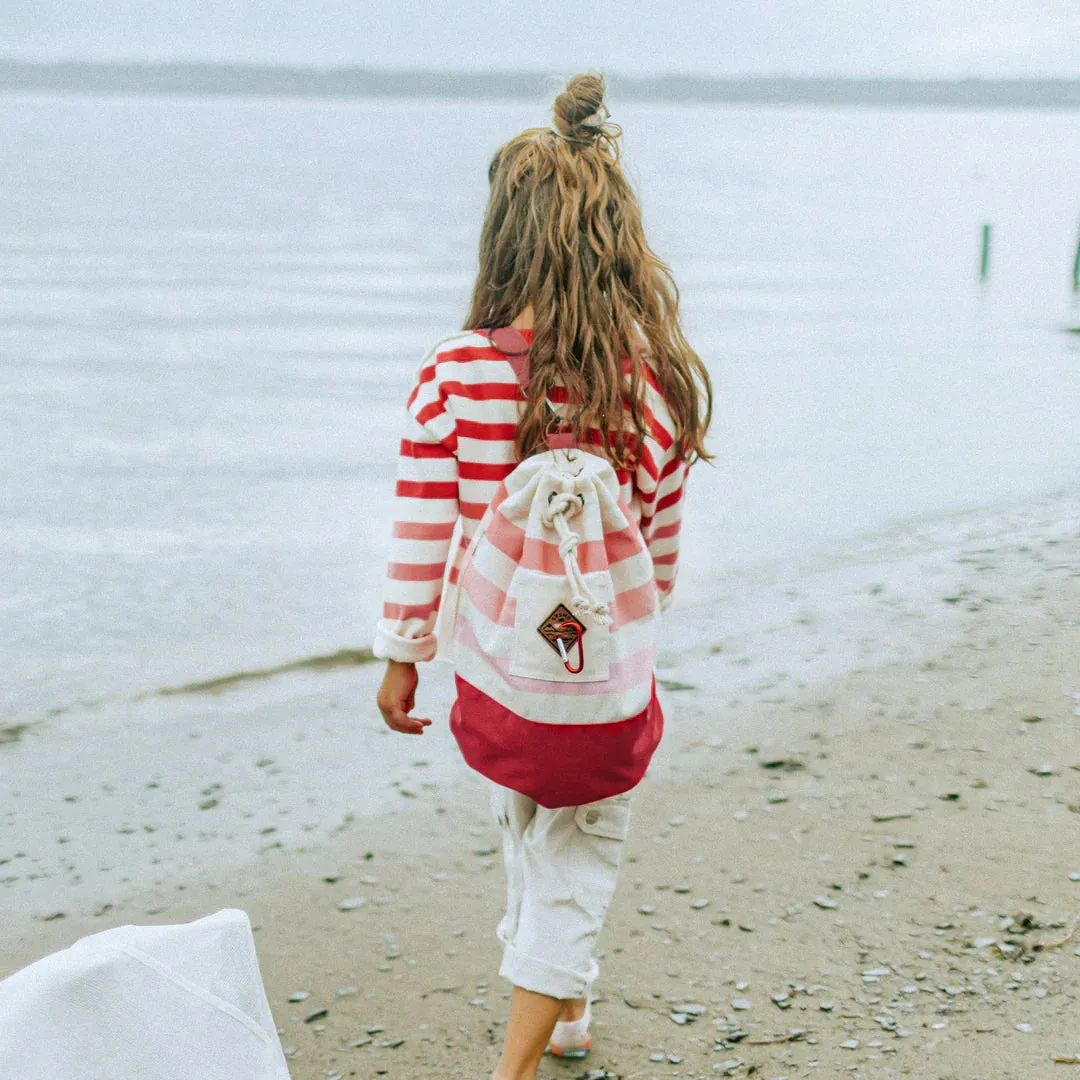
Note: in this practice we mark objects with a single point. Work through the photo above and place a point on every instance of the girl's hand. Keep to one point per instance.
(397, 696)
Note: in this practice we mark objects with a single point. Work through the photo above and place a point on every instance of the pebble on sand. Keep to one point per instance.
(691, 1008)
(352, 904)
(784, 764)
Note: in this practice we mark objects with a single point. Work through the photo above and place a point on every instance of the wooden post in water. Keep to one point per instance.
(984, 258)
(1076, 267)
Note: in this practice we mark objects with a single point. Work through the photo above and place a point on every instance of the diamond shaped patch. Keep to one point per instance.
(551, 632)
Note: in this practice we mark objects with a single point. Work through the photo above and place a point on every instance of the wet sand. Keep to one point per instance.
(854, 855)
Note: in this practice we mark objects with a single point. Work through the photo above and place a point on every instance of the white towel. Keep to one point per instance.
(174, 1002)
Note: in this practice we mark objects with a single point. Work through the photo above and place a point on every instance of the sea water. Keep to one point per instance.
(211, 310)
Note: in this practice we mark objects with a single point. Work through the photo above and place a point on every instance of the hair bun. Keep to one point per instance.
(579, 112)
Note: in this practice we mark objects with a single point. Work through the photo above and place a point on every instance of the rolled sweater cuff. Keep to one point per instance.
(391, 646)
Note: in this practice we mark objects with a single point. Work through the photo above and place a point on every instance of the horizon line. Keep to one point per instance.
(528, 73)
(233, 78)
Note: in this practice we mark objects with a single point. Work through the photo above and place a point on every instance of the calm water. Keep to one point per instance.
(212, 310)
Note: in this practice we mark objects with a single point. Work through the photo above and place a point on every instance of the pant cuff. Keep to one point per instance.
(544, 978)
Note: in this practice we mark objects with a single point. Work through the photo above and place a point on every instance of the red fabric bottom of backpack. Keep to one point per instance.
(554, 764)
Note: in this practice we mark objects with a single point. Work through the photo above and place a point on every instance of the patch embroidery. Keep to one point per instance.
(562, 630)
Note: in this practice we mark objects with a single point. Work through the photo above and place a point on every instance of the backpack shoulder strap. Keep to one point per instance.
(515, 349)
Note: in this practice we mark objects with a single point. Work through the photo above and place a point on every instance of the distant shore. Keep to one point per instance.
(271, 80)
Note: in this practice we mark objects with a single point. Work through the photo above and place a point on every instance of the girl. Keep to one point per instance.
(564, 269)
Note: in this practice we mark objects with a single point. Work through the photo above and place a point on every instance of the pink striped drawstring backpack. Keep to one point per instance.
(554, 630)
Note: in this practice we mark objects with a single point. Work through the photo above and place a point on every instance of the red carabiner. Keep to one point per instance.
(575, 629)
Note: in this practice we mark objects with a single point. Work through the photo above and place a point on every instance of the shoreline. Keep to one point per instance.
(106, 800)
(746, 589)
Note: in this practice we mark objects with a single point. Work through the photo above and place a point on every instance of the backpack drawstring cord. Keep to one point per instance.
(563, 505)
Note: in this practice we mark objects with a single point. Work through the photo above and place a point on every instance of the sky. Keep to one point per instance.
(942, 38)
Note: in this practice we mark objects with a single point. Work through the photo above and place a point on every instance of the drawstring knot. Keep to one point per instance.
(563, 505)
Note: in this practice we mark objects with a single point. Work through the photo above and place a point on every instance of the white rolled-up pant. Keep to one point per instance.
(561, 870)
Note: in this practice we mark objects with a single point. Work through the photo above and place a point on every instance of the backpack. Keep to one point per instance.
(554, 629)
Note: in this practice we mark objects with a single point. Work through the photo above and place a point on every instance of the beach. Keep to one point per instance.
(853, 855)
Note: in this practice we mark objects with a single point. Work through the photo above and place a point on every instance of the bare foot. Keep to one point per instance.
(572, 1009)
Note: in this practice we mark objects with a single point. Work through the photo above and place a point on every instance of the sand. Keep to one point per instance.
(855, 853)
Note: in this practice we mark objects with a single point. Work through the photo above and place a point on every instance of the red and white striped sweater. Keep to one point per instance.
(458, 447)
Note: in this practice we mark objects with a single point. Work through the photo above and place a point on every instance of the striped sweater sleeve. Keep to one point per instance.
(425, 513)
(662, 536)
(661, 482)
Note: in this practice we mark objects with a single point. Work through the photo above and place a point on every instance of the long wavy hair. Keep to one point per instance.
(563, 233)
